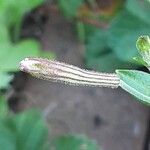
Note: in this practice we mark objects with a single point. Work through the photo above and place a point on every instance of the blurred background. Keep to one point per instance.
(98, 35)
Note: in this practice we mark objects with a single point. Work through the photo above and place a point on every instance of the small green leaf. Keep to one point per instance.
(80, 31)
(97, 43)
(140, 61)
(7, 138)
(32, 131)
(5, 80)
(12, 54)
(3, 108)
(143, 44)
(16, 9)
(124, 30)
(24, 131)
(137, 83)
(99, 55)
(70, 142)
(106, 62)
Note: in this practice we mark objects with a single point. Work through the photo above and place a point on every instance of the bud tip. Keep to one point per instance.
(28, 65)
(143, 43)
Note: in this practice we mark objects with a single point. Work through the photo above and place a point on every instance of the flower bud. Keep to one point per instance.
(143, 45)
(29, 65)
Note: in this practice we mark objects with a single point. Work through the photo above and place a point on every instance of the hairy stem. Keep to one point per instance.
(68, 74)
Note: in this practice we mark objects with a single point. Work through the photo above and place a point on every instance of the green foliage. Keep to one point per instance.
(11, 53)
(3, 108)
(124, 27)
(7, 140)
(119, 38)
(15, 53)
(98, 53)
(123, 32)
(24, 131)
(31, 131)
(97, 42)
(69, 142)
(14, 10)
(140, 61)
(106, 62)
(143, 45)
(137, 83)
(5, 79)
(20, 51)
(5, 38)
(140, 9)
(69, 7)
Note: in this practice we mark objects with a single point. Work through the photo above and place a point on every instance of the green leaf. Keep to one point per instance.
(140, 61)
(24, 6)
(5, 80)
(69, 7)
(4, 35)
(106, 62)
(31, 131)
(139, 8)
(100, 57)
(123, 32)
(69, 142)
(12, 13)
(17, 9)
(3, 108)
(7, 138)
(3, 8)
(24, 131)
(80, 31)
(97, 43)
(137, 83)
(143, 45)
(11, 55)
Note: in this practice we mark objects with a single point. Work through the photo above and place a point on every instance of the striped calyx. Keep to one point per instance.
(68, 74)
